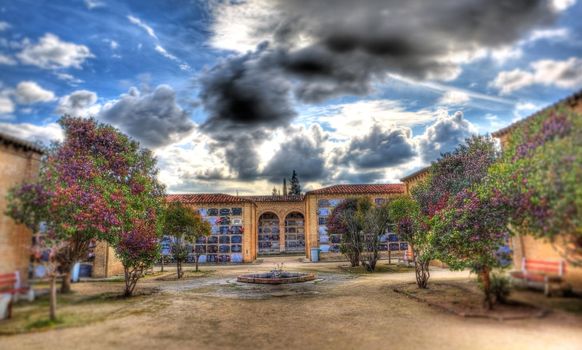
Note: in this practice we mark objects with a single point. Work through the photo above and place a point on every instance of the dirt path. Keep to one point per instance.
(340, 311)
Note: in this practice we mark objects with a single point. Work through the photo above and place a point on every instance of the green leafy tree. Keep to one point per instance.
(412, 227)
(347, 220)
(186, 226)
(295, 185)
(376, 221)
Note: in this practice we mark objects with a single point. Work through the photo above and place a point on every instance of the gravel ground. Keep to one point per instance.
(337, 311)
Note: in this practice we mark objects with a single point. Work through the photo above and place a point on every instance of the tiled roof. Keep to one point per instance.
(419, 172)
(571, 100)
(206, 198)
(27, 146)
(288, 198)
(361, 189)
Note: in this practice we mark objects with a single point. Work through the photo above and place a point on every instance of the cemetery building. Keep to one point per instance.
(19, 163)
(246, 227)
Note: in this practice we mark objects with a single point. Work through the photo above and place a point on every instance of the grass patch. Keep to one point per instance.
(44, 324)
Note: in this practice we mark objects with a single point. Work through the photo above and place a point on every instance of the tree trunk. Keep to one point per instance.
(485, 280)
(66, 283)
(162, 270)
(179, 268)
(196, 258)
(421, 269)
(53, 299)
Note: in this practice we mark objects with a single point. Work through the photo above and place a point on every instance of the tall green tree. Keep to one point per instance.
(186, 226)
(412, 227)
(376, 221)
(348, 219)
(295, 185)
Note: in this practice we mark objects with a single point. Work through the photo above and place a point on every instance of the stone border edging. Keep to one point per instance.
(539, 314)
(254, 278)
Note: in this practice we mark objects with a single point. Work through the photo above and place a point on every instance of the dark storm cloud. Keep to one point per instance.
(353, 44)
(304, 152)
(358, 177)
(379, 148)
(444, 136)
(243, 96)
(320, 49)
(242, 93)
(153, 118)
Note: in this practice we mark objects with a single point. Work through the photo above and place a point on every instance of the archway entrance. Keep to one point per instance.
(295, 233)
(268, 234)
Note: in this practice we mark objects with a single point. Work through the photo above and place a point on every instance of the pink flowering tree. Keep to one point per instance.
(466, 219)
(138, 250)
(99, 183)
(540, 173)
(471, 232)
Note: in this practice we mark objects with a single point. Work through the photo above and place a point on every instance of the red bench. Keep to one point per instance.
(541, 273)
(10, 284)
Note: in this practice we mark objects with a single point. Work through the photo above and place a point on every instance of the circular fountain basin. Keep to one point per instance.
(280, 278)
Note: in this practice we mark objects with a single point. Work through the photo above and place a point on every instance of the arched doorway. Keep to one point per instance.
(294, 233)
(269, 234)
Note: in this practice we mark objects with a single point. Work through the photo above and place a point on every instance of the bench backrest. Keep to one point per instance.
(544, 266)
(8, 281)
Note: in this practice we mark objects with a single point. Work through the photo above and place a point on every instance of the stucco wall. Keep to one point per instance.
(106, 263)
(16, 166)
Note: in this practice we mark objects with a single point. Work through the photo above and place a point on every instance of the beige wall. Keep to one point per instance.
(281, 209)
(16, 166)
(106, 263)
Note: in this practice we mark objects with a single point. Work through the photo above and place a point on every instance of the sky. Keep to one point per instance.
(232, 96)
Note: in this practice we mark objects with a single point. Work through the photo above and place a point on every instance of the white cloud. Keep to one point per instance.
(562, 74)
(138, 22)
(233, 26)
(454, 97)
(6, 105)
(68, 78)
(4, 26)
(7, 60)
(349, 119)
(165, 53)
(561, 5)
(80, 103)
(114, 44)
(34, 133)
(91, 4)
(29, 92)
(549, 34)
(51, 52)
(446, 133)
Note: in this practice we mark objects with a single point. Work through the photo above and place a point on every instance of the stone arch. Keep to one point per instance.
(268, 228)
(294, 229)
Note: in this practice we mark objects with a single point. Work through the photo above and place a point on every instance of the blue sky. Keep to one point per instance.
(234, 95)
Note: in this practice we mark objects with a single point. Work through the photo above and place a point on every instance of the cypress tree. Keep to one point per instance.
(295, 185)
